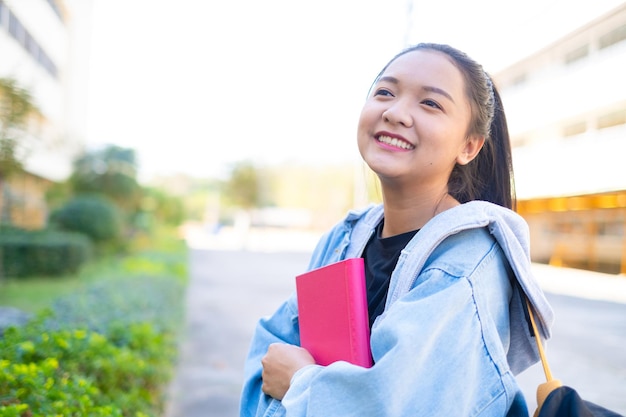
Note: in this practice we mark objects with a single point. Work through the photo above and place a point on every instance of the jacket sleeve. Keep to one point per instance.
(281, 327)
(437, 352)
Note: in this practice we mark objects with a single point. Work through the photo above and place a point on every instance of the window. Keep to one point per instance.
(47, 63)
(611, 228)
(612, 119)
(25, 39)
(576, 54)
(15, 27)
(574, 129)
(30, 45)
(3, 14)
(613, 37)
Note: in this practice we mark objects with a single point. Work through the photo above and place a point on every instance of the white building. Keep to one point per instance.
(44, 47)
(566, 108)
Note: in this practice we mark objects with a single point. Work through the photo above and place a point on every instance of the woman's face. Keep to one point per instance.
(413, 126)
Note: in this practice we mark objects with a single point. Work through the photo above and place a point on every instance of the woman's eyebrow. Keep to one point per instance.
(438, 90)
(389, 79)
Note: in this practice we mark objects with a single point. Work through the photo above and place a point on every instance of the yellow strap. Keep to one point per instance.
(544, 361)
(543, 390)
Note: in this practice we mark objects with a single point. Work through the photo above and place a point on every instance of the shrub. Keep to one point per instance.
(92, 215)
(108, 349)
(81, 372)
(26, 253)
(42, 388)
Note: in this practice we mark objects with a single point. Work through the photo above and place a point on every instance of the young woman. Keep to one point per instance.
(447, 261)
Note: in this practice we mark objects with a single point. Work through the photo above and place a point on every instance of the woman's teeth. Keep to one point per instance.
(395, 142)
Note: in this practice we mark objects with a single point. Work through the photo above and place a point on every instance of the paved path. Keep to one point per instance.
(227, 293)
(230, 289)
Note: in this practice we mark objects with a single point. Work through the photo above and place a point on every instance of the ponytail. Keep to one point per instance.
(502, 188)
(489, 177)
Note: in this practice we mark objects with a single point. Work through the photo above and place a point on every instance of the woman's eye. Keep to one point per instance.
(431, 103)
(383, 92)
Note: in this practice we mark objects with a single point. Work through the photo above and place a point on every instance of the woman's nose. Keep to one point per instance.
(398, 113)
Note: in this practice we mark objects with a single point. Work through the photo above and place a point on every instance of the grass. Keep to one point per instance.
(147, 257)
(36, 293)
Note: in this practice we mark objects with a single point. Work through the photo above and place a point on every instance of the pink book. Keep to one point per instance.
(332, 308)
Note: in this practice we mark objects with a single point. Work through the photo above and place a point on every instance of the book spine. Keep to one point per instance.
(359, 323)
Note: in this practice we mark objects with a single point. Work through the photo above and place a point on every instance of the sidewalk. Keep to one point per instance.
(581, 283)
(558, 280)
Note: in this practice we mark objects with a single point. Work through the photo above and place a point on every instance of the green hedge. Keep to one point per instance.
(107, 350)
(81, 372)
(27, 253)
(92, 215)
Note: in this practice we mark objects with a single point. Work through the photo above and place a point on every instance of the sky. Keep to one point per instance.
(195, 86)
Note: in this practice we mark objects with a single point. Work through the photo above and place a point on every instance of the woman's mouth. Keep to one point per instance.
(395, 142)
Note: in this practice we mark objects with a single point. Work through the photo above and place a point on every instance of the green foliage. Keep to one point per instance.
(162, 207)
(57, 194)
(112, 172)
(199, 197)
(92, 215)
(243, 187)
(16, 104)
(81, 372)
(106, 349)
(134, 299)
(44, 389)
(168, 260)
(157, 264)
(51, 253)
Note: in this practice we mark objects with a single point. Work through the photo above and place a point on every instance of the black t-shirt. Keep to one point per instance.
(381, 256)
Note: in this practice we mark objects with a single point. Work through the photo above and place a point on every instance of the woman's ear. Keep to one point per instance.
(473, 145)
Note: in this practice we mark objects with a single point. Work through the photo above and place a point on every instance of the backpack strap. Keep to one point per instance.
(544, 389)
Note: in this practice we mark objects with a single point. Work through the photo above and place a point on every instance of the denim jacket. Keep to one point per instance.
(453, 335)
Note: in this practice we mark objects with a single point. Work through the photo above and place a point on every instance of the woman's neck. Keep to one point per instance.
(404, 213)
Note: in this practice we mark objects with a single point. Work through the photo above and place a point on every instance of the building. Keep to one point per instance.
(43, 46)
(566, 108)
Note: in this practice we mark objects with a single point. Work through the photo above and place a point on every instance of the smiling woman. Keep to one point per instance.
(446, 261)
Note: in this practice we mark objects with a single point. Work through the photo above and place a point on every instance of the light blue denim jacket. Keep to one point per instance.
(454, 331)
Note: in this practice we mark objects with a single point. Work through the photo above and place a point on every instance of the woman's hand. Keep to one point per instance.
(280, 363)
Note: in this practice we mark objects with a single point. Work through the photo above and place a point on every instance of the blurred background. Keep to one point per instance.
(245, 112)
(141, 141)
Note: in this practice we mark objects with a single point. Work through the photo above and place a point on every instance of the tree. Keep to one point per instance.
(158, 205)
(16, 106)
(243, 186)
(111, 171)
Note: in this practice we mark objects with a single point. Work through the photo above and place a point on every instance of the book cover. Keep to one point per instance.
(333, 317)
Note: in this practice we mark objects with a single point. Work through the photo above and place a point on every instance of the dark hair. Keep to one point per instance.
(489, 176)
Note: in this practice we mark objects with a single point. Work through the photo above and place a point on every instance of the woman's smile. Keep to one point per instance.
(394, 142)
